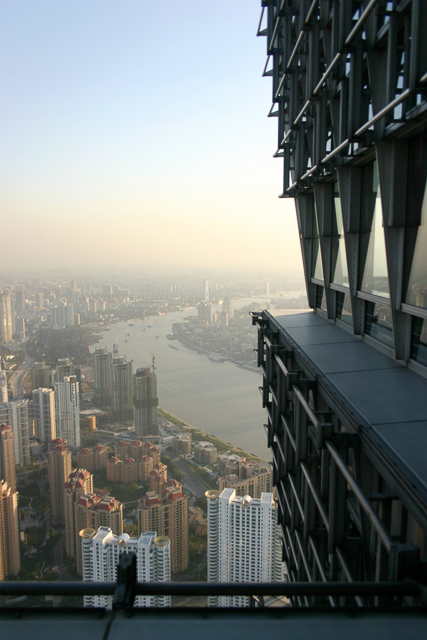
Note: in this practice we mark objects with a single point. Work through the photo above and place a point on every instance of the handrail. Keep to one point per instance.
(288, 589)
(361, 498)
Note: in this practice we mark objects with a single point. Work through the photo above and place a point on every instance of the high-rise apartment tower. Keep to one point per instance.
(6, 321)
(42, 414)
(103, 376)
(122, 389)
(78, 483)
(101, 552)
(94, 511)
(67, 408)
(16, 415)
(7, 456)
(10, 559)
(145, 403)
(59, 468)
(168, 515)
(244, 542)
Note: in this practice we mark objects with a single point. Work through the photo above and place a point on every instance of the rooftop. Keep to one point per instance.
(368, 386)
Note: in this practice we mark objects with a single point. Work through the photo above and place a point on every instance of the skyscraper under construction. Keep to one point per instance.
(145, 403)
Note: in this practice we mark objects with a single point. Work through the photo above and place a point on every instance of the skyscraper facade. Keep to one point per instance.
(122, 408)
(244, 542)
(42, 414)
(103, 376)
(7, 456)
(67, 409)
(10, 558)
(40, 375)
(145, 403)
(6, 321)
(20, 300)
(168, 515)
(59, 468)
(64, 368)
(101, 551)
(345, 384)
(16, 414)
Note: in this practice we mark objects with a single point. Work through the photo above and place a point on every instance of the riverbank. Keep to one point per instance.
(219, 399)
(197, 434)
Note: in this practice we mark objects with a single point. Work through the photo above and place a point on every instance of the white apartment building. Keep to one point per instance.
(244, 542)
(42, 414)
(67, 409)
(101, 551)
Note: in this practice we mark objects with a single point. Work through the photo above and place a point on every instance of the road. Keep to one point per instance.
(191, 482)
(17, 377)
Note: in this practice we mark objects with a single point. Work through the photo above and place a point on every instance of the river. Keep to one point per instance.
(219, 398)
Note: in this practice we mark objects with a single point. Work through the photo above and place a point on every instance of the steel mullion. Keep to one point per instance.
(347, 573)
(303, 556)
(320, 568)
(297, 500)
(361, 498)
(316, 497)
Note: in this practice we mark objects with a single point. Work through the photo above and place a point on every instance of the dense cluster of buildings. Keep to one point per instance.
(246, 477)
(92, 458)
(52, 305)
(47, 414)
(92, 518)
(129, 395)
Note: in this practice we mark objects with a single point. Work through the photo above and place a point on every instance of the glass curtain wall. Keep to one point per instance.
(417, 287)
(317, 259)
(344, 311)
(339, 260)
(375, 279)
(419, 341)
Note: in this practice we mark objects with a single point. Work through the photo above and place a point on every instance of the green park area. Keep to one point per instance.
(123, 492)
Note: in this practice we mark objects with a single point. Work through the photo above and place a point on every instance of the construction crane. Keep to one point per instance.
(154, 360)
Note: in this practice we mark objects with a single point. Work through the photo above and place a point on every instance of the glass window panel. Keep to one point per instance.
(378, 323)
(323, 303)
(375, 279)
(339, 259)
(417, 288)
(317, 260)
(319, 296)
(344, 312)
(419, 341)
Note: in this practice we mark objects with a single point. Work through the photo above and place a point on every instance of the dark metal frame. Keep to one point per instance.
(125, 590)
(349, 85)
(338, 498)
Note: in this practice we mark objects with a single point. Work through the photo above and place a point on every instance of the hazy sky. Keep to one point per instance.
(135, 132)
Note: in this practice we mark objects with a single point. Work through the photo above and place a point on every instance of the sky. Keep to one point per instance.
(135, 132)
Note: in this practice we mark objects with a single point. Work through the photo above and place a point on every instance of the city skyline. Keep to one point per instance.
(116, 147)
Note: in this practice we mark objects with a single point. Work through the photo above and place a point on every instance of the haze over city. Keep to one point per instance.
(135, 134)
